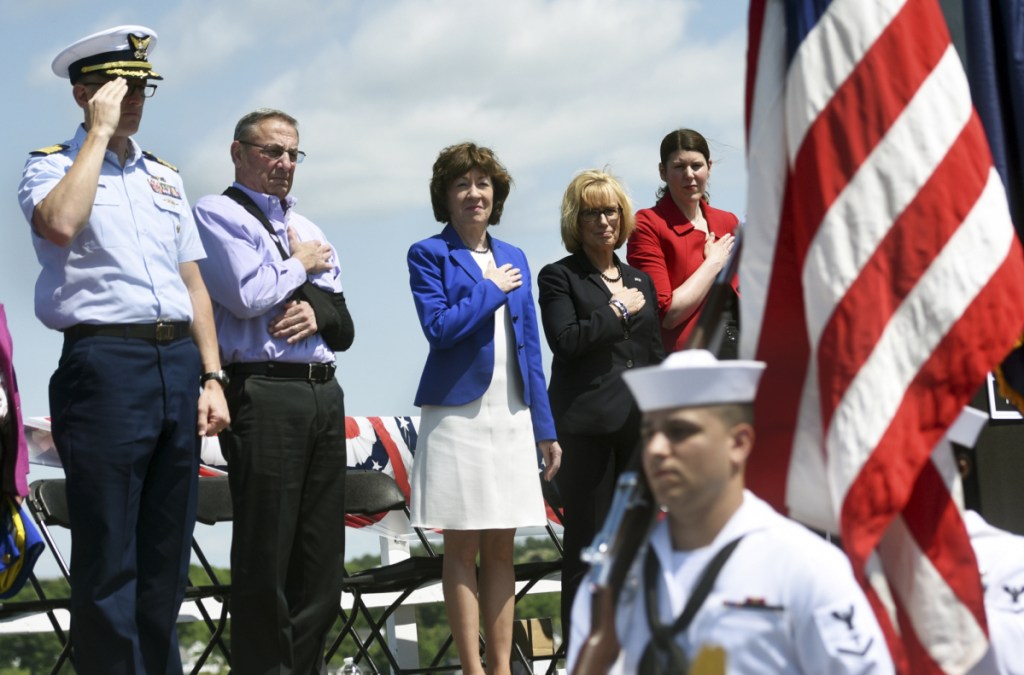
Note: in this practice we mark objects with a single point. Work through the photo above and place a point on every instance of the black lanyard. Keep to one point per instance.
(663, 656)
(246, 202)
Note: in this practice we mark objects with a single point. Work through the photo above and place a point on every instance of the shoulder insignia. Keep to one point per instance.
(845, 617)
(49, 150)
(840, 631)
(149, 155)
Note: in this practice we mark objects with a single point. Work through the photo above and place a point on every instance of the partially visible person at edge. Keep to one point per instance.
(723, 576)
(286, 445)
(115, 237)
(1000, 556)
(683, 242)
(999, 553)
(600, 318)
(484, 406)
(13, 449)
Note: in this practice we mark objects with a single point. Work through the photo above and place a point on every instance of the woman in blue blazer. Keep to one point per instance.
(484, 406)
(600, 319)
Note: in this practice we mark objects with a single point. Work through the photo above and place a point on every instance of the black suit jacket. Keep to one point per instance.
(590, 347)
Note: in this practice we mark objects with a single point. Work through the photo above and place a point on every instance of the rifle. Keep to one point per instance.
(633, 511)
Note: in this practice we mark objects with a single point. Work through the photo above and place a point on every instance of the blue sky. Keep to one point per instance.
(379, 88)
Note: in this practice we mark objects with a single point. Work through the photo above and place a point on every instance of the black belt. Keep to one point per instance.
(161, 331)
(313, 372)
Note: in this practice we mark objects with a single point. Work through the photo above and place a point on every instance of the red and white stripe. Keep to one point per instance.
(881, 280)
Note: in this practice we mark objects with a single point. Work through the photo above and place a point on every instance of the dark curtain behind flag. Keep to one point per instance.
(994, 35)
(993, 32)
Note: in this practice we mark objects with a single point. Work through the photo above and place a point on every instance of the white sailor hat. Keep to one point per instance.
(694, 378)
(122, 51)
(967, 427)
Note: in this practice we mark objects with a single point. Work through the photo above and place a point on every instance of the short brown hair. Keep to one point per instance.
(457, 160)
(589, 188)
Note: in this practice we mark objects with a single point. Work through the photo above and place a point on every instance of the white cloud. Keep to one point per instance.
(552, 86)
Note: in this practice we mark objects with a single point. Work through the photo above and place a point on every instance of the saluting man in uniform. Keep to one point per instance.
(137, 382)
(723, 571)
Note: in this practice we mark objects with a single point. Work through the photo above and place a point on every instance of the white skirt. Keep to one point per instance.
(476, 466)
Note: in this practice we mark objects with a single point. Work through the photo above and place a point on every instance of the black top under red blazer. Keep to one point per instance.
(591, 349)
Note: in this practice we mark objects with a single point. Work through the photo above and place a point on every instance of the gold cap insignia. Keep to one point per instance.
(139, 45)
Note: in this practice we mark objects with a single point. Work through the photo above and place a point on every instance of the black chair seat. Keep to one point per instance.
(396, 577)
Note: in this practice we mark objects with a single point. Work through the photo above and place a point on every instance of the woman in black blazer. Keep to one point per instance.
(600, 319)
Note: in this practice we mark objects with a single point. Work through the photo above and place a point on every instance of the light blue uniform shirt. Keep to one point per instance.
(250, 283)
(123, 266)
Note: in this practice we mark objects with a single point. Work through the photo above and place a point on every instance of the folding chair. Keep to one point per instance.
(367, 493)
(533, 572)
(48, 503)
(214, 506)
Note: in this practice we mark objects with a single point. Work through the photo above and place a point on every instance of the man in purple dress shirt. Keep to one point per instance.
(280, 317)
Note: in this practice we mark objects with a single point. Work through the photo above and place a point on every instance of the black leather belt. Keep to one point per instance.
(313, 372)
(161, 331)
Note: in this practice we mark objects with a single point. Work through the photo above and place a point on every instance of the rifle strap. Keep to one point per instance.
(662, 655)
(246, 202)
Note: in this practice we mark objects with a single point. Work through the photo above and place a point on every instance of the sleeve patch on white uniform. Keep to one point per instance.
(1008, 594)
(839, 627)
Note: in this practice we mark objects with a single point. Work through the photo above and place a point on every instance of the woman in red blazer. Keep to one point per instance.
(601, 319)
(683, 242)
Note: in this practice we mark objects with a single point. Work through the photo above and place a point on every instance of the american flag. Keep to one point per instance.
(382, 444)
(881, 281)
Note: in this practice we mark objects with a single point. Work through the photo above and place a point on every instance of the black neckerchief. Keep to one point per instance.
(663, 656)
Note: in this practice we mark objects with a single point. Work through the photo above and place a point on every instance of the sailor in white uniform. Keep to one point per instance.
(1000, 556)
(723, 571)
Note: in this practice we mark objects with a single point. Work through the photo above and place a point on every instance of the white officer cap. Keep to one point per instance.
(122, 51)
(694, 378)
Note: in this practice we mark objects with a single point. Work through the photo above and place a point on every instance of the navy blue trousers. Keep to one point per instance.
(287, 460)
(124, 422)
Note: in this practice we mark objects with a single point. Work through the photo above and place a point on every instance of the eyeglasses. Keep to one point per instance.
(276, 151)
(147, 90)
(591, 216)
